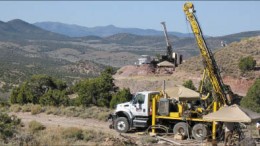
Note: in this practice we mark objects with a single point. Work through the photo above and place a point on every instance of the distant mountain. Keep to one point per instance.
(18, 29)
(185, 46)
(102, 31)
(131, 39)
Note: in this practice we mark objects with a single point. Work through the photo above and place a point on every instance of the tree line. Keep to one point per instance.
(47, 90)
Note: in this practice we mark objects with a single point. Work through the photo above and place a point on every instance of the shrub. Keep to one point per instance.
(189, 84)
(54, 98)
(40, 86)
(95, 136)
(247, 64)
(8, 125)
(27, 107)
(35, 126)
(252, 99)
(15, 108)
(73, 133)
(120, 97)
(36, 109)
(102, 116)
(88, 135)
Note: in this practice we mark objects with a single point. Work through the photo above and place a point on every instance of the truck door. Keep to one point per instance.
(138, 107)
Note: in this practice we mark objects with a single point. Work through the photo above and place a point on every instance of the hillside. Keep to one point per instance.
(20, 30)
(153, 45)
(103, 31)
(141, 78)
(18, 63)
(27, 49)
(228, 57)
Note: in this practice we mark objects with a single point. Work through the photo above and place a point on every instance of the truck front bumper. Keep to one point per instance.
(111, 120)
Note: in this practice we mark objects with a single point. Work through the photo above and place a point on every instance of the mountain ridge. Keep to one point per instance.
(18, 29)
(74, 30)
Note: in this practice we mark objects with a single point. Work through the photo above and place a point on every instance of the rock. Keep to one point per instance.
(178, 137)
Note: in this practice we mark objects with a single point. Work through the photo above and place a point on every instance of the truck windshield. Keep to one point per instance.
(138, 98)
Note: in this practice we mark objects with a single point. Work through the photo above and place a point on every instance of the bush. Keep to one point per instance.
(88, 135)
(54, 98)
(189, 84)
(247, 64)
(8, 126)
(36, 109)
(15, 108)
(35, 126)
(252, 99)
(120, 97)
(73, 133)
(40, 86)
(27, 107)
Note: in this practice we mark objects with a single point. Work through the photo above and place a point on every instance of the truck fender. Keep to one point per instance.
(125, 114)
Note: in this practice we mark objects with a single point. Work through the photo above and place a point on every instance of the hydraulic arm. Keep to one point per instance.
(210, 65)
(169, 46)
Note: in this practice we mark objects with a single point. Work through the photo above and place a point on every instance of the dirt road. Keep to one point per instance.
(60, 121)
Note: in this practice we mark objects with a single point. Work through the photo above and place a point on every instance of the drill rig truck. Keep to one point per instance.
(183, 115)
(170, 56)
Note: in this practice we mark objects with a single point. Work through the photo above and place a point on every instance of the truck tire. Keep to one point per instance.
(181, 128)
(121, 125)
(200, 131)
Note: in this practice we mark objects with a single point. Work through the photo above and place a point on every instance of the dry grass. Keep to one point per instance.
(73, 133)
(35, 126)
(100, 113)
(63, 136)
(15, 108)
(27, 107)
(36, 109)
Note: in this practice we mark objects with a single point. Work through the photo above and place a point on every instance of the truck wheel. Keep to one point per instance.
(121, 125)
(181, 128)
(200, 131)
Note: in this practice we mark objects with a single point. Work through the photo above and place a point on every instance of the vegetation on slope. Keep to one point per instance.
(228, 58)
(18, 65)
(41, 89)
(247, 64)
(252, 99)
(46, 90)
(8, 126)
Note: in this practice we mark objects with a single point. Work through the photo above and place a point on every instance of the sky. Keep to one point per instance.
(216, 18)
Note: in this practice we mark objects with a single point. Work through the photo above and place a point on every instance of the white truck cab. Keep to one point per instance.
(135, 113)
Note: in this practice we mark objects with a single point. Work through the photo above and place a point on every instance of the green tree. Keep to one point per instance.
(40, 86)
(252, 99)
(55, 98)
(87, 91)
(247, 64)
(121, 96)
(189, 84)
(97, 91)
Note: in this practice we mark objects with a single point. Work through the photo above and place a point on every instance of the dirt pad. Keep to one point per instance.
(138, 70)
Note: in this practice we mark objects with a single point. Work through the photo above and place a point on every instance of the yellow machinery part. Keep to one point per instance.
(209, 63)
(153, 114)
